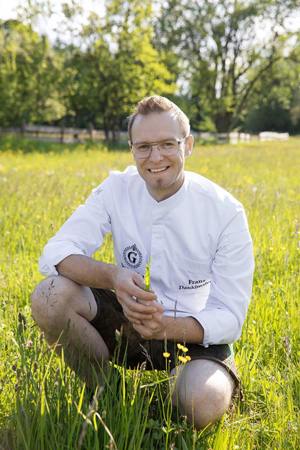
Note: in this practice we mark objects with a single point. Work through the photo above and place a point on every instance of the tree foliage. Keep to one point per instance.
(225, 63)
(117, 66)
(225, 51)
(275, 101)
(28, 67)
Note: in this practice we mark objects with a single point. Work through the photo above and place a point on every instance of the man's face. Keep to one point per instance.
(163, 175)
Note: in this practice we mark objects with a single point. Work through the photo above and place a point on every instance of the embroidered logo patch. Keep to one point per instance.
(132, 256)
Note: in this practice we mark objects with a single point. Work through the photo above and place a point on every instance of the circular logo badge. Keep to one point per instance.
(132, 256)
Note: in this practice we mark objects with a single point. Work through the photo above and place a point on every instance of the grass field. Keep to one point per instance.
(42, 403)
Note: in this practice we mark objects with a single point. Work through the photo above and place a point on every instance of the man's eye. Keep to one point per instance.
(143, 147)
(167, 144)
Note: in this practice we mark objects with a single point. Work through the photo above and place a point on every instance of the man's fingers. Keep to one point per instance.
(145, 295)
(135, 311)
(147, 303)
(142, 294)
(137, 316)
(136, 305)
(134, 291)
(132, 319)
(143, 331)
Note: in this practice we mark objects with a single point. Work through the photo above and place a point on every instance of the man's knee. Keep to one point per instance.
(210, 405)
(50, 300)
(203, 397)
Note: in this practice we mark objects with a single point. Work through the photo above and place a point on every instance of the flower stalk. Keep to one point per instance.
(147, 276)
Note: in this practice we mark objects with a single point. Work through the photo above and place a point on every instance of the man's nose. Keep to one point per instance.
(155, 154)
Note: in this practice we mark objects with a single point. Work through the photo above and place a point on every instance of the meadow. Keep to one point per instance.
(43, 404)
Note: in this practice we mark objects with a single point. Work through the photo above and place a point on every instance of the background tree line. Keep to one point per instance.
(230, 64)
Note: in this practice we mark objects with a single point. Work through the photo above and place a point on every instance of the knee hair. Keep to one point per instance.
(50, 302)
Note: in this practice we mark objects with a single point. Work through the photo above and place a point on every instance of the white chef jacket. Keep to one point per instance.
(202, 256)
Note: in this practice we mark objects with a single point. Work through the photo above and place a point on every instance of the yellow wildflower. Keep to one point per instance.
(180, 346)
(182, 359)
(184, 349)
(166, 354)
(188, 358)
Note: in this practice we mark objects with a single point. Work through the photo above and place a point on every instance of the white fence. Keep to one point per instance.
(235, 137)
(223, 137)
(272, 136)
(68, 134)
(57, 134)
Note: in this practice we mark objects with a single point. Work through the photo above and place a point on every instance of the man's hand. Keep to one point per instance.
(181, 329)
(129, 286)
(152, 328)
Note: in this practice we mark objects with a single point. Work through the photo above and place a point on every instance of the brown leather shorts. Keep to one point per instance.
(128, 348)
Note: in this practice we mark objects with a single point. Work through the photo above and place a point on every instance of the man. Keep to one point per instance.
(201, 272)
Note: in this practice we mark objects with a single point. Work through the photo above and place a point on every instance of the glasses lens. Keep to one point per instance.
(167, 148)
(142, 150)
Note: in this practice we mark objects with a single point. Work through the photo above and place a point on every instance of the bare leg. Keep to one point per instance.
(63, 310)
(203, 391)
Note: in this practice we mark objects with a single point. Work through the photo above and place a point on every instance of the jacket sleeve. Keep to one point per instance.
(82, 233)
(231, 284)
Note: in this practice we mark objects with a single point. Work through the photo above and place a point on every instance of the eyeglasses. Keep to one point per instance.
(168, 147)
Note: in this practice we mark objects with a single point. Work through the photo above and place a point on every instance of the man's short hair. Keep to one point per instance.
(158, 104)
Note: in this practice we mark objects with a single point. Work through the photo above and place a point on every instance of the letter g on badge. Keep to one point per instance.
(132, 256)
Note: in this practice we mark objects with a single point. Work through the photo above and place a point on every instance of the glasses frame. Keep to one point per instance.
(151, 145)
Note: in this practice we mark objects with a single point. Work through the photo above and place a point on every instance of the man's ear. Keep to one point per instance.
(189, 143)
(130, 146)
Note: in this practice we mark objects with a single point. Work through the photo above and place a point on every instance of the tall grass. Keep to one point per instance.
(43, 405)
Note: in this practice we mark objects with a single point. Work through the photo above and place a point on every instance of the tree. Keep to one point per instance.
(114, 65)
(275, 100)
(224, 51)
(28, 73)
(95, 75)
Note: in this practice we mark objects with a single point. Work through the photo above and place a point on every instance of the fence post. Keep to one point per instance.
(62, 132)
(91, 131)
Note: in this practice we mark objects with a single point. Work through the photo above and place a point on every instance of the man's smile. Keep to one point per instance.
(158, 170)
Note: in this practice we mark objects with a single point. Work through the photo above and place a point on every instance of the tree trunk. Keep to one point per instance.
(106, 131)
(224, 122)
